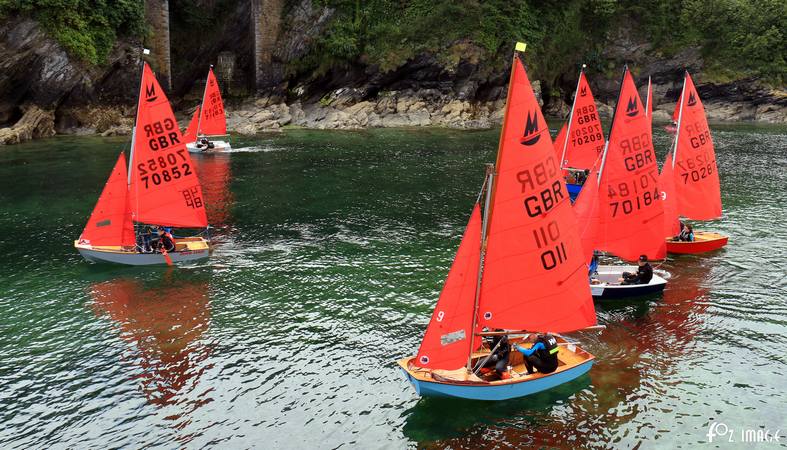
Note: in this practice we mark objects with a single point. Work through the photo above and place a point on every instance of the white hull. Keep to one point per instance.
(610, 287)
(218, 146)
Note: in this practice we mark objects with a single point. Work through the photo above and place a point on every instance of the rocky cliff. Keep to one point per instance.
(43, 90)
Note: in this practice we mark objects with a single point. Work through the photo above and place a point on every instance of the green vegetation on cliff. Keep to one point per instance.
(87, 29)
(736, 37)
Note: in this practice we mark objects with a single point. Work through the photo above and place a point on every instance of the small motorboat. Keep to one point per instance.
(573, 362)
(608, 286)
(704, 241)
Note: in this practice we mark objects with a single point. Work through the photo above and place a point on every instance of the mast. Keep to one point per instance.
(201, 105)
(571, 117)
(647, 98)
(491, 183)
(136, 115)
(680, 119)
(611, 125)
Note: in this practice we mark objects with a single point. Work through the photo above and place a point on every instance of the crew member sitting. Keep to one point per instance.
(686, 234)
(542, 355)
(643, 275)
(498, 360)
(147, 241)
(581, 177)
(165, 241)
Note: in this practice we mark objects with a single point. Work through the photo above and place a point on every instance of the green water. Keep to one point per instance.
(331, 249)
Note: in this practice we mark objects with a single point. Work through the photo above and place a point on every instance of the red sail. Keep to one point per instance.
(191, 131)
(560, 142)
(587, 210)
(164, 186)
(446, 344)
(631, 217)
(110, 223)
(213, 121)
(696, 177)
(586, 138)
(535, 275)
(667, 186)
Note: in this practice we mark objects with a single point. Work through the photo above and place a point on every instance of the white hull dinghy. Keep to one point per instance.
(609, 286)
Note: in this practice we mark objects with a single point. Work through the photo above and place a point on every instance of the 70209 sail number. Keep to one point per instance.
(163, 169)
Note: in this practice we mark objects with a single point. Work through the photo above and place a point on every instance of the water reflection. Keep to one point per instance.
(214, 174)
(164, 323)
(636, 360)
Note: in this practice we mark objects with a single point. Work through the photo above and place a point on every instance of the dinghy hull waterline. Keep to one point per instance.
(703, 242)
(188, 250)
(574, 362)
(218, 146)
(610, 287)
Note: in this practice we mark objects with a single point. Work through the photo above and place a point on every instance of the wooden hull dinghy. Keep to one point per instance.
(537, 283)
(610, 288)
(159, 187)
(704, 241)
(209, 120)
(460, 383)
(689, 179)
(186, 250)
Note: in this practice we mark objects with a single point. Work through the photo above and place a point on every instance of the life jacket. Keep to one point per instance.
(168, 241)
(547, 355)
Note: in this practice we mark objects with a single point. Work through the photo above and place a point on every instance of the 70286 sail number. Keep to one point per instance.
(163, 169)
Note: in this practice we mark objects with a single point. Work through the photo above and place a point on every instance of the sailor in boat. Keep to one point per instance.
(643, 275)
(498, 359)
(593, 268)
(686, 233)
(146, 238)
(204, 144)
(581, 176)
(542, 355)
(165, 240)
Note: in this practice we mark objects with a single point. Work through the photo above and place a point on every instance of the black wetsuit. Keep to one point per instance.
(643, 276)
(499, 359)
(542, 355)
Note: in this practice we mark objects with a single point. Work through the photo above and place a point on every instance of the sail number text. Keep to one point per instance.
(162, 134)
(538, 179)
(164, 169)
(633, 195)
(547, 239)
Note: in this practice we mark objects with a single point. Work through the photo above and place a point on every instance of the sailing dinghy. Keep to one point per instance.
(581, 140)
(690, 178)
(211, 121)
(619, 209)
(520, 267)
(160, 187)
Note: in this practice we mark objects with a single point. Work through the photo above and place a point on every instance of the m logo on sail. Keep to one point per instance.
(631, 108)
(531, 135)
(150, 93)
(583, 91)
(692, 99)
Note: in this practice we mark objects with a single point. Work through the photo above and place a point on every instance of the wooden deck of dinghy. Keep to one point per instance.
(191, 244)
(703, 242)
(567, 359)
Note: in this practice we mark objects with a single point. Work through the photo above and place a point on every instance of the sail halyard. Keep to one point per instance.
(571, 118)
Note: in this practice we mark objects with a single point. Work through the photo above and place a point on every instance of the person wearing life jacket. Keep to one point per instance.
(643, 275)
(686, 234)
(542, 355)
(498, 360)
(593, 267)
(165, 240)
